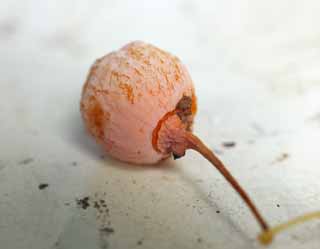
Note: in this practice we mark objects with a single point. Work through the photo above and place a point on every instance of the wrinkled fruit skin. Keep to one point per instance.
(125, 96)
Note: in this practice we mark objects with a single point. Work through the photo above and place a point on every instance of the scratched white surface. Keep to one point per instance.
(256, 70)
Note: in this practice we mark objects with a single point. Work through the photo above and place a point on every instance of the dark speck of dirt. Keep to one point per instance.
(199, 240)
(74, 163)
(218, 212)
(43, 186)
(67, 204)
(83, 203)
(106, 230)
(282, 157)
(26, 161)
(229, 144)
(140, 242)
(96, 205)
(278, 205)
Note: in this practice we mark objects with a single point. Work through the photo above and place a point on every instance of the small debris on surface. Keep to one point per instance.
(96, 205)
(278, 205)
(26, 161)
(199, 240)
(218, 212)
(84, 202)
(74, 163)
(229, 144)
(281, 158)
(107, 230)
(43, 186)
(140, 242)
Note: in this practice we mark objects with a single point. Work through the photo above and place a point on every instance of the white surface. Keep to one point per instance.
(256, 70)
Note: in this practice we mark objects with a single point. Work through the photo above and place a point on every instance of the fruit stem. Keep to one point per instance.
(196, 144)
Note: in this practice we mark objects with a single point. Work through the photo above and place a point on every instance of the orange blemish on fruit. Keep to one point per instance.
(97, 118)
(135, 53)
(128, 91)
(137, 72)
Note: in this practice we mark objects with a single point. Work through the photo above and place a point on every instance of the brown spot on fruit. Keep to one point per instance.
(183, 110)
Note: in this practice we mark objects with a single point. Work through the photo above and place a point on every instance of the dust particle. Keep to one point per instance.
(218, 212)
(74, 163)
(43, 186)
(229, 144)
(282, 157)
(140, 242)
(26, 161)
(96, 205)
(106, 230)
(278, 205)
(83, 203)
(199, 240)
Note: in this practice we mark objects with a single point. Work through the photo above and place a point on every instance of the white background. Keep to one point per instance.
(255, 65)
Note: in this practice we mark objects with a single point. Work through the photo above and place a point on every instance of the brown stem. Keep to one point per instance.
(196, 144)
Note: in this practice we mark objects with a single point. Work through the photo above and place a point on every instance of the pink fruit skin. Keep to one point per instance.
(127, 93)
